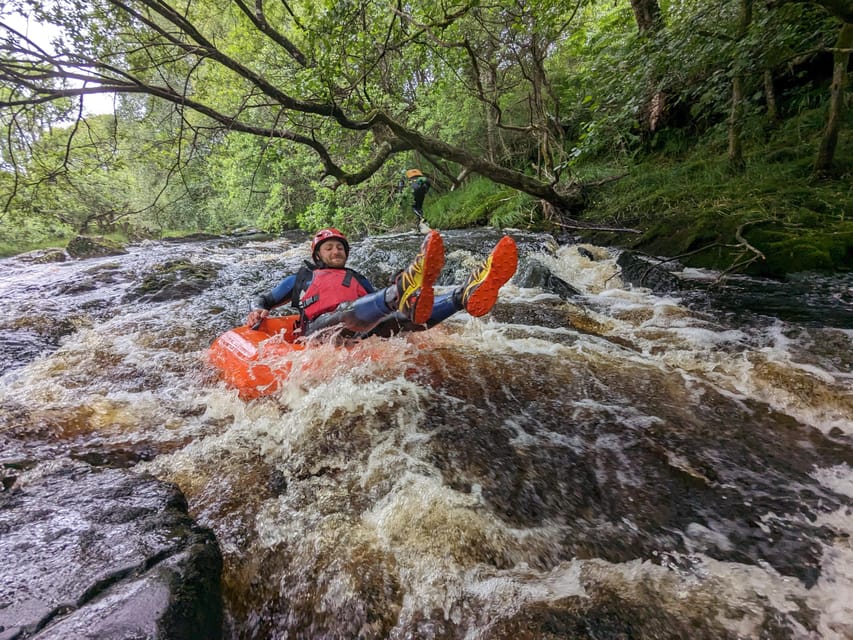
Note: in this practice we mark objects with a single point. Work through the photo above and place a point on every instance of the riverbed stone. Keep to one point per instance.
(174, 280)
(536, 274)
(82, 247)
(642, 271)
(104, 553)
(43, 256)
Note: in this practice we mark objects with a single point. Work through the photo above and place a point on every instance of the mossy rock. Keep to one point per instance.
(710, 242)
(83, 247)
(792, 250)
(175, 280)
(192, 237)
(44, 256)
(688, 237)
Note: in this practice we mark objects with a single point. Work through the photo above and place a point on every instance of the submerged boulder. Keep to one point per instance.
(536, 274)
(104, 553)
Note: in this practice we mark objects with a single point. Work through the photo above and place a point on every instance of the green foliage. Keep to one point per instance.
(19, 234)
(615, 72)
(797, 249)
(358, 211)
(481, 202)
(595, 76)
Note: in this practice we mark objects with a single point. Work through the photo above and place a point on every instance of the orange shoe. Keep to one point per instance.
(415, 294)
(480, 292)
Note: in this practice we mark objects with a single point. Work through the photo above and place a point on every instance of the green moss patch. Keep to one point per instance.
(696, 208)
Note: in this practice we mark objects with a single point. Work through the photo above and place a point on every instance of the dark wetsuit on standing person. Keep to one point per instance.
(420, 185)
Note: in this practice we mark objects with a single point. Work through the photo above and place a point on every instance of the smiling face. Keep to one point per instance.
(332, 253)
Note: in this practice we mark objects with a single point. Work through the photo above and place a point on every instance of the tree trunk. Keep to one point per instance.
(770, 96)
(543, 113)
(736, 161)
(835, 115)
(539, 114)
(488, 80)
(647, 13)
(649, 22)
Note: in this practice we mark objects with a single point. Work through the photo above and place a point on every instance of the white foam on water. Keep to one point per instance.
(698, 537)
(752, 588)
(748, 363)
(590, 276)
(529, 295)
(700, 275)
(496, 336)
(111, 380)
(439, 538)
(738, 596)
(811, 395)
(437, 535)
(759, 585)
(505, 593)
(838, 478)
(511, 293)
(832, 596)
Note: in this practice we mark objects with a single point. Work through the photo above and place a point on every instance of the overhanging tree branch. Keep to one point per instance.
(182, 53)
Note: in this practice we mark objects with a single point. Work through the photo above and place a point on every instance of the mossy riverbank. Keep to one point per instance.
(759, 246)
(771, 219)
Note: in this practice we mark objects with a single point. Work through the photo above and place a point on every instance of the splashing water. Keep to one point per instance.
(617, 464)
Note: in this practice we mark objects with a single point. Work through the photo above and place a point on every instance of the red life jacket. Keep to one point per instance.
(328, 289)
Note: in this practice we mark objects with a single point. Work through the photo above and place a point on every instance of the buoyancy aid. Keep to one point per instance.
(328, 289)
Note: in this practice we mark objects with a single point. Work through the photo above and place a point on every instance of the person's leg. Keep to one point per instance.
(419, 192)
(477, 295)
(444, 306)
(395, 324)
(358, 316)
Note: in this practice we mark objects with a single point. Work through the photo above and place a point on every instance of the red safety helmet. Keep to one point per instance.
(329, 233)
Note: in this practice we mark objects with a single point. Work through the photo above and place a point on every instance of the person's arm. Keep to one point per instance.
(262, 304)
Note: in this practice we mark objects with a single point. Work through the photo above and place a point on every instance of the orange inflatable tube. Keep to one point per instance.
(250, 361)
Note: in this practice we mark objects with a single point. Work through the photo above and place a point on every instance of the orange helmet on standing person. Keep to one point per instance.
(329, 233)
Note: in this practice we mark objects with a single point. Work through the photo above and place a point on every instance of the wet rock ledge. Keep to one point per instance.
(104, 553)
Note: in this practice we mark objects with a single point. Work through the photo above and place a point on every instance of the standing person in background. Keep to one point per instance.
(420, 185)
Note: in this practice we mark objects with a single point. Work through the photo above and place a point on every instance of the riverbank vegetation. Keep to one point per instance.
(718, 134)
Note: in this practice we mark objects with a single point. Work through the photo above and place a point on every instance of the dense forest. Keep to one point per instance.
(717, 132)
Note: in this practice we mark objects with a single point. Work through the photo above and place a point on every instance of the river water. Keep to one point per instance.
(614, 464)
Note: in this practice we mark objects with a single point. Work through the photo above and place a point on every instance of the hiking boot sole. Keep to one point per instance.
(433, 261)
(503, 263)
